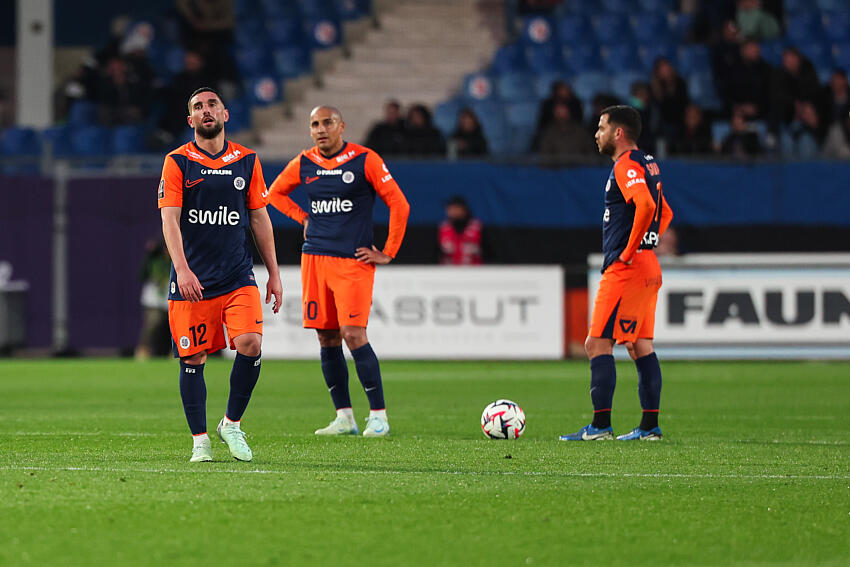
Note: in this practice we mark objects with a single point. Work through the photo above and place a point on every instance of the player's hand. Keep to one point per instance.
(189, 285)
(274, 288)
(306, 222)
(372, 256)
(620, 258)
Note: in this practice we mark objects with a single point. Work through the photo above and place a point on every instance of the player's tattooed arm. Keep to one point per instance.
(187, 282)
(372, 256)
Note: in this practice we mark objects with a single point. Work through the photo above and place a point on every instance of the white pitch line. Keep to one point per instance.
(450, 473)
(80, 434)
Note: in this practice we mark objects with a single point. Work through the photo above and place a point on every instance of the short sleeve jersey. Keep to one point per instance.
(341, 189)
(632, 172)
(215, 193)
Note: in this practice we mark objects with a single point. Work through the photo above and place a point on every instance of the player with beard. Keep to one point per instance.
(212, 192)
(636, 214)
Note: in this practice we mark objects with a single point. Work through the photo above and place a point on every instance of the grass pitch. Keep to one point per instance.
(754, 469)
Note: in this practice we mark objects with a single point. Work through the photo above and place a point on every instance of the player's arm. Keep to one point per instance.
(666, 213)
(631, 178)
(390, 193)
(282, 186)
(261, 227)
(170, 203)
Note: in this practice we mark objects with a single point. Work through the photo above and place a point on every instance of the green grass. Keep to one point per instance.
(754, 469)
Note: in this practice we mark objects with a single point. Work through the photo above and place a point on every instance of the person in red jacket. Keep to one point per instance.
(460, 235)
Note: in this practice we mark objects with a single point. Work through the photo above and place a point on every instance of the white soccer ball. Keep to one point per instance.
(503, 419)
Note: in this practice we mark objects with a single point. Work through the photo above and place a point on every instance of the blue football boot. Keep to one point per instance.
(638, 434)
(590, 433)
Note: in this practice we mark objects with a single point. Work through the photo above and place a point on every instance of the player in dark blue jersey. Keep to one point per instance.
(636, 214)
(338, 258)
(212, 196)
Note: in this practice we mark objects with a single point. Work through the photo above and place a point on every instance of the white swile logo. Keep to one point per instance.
(222, 216)
(335, 205)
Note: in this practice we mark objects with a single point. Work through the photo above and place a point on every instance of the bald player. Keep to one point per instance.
(636, 214)
(339, 258)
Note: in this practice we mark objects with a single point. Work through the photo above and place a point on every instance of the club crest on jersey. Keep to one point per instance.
(184, 342)
(161, 193)
(347, 177)
(239, 183)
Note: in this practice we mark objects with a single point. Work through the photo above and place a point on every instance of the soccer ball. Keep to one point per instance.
(503, 419)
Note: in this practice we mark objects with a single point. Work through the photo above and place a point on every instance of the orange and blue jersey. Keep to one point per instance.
(341, 189)
(627, 228)
(216, 193)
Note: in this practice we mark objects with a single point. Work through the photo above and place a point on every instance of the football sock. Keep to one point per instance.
(193, 392)
(243, 378)
(649, 389)
(335, 371)
(603, 379)
(369, 372)
(200, 439)
(382, 413)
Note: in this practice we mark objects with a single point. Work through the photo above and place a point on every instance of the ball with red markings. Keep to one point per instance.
(503, 419)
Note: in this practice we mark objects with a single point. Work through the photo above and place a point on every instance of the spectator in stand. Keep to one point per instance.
(537, 6)
(563, 136)
(725, 56)
(836, 98)
(193, 76)
(561, 92)
(804, 135)
(795, 81)
(468, 138)
(750, 82)
(387, 137)
(695, 138)
(755, 22)
(460, 235)
(421, 138)
(742, 141)
(837, 144)
(641, 100)
(207, 28)
(670, 93)
(116, 95)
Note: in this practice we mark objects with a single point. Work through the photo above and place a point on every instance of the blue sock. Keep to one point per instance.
(369, 372)
(243, 378)
(649, 389)
(335, 371)
(193, 392)
(603, 379)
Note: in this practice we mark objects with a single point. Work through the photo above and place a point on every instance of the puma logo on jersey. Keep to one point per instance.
(335, 205)
(190, 184)
(223, 216)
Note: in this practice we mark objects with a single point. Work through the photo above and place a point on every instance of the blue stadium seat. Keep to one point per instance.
(445, 116)
(702, 92)
(492, 119)
(543, 84)
(693, 59)
(520, 139)
(841, 55)
(656, 6)
(240, 115)
(285, 31)
(17, 141)
(498, 137)
(832, 5)
(649, 27)
(621, 83)
(824, 74)
(771, 51)
(585, 7)
(515, 87)
(819, 53)
(582, 58)
(617, 6)
(803, 27)
(57, 141)
(574, 29)
(611, 28)
(128, 140)
(264, 90)
(351, 9)
(650, 52)
(478, 87)
(680, 26)
(508, 58)
(537, 30)
(585, 85)
(252, 61)
(291, 62)
(245, 8)
(250, 32)
(543, 58)
(836, 25)
(521, 114)
(82, 113)
(90, 141)
(620, 57)
(794, 7)
(314, 9)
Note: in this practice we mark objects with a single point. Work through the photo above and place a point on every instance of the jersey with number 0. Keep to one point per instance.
(632, 172)
(215, 192)
(342, 190)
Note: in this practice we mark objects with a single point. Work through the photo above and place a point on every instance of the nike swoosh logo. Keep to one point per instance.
(370, 389)
(258, 322)
(350, 316)
(309, 180)
(190, 184)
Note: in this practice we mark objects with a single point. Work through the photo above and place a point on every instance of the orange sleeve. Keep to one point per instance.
(282, 186)
(631, 179)
(170, 193)
(257, 191)
(390, 193)
(666, 214)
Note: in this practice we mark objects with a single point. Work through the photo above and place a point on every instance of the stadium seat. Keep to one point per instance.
(693, 59)
(657, 6)
(498, 137)
(621, 83)
(771, 51)
(836, 25)
(649, 27)
(585, 85)
(702, 92)
(445, 116)
(841, 55)
(520, 139)
(90, 141)
(245, 8)
(521, 113)
(285, 31)
(649, 53)
(56, 141)
(537, 30)
(543, 58)
(264, 90)
(291, 62)
(680, 26)
(803, 27)
(314, 9)
(543, 84)
(611, 28)
(585, 7)
(515, 87)
(324, 33)
(574, 29)
(617, 6)
(17, 141)
(794, 7)
(508, 58)
(240, 114)
(620, 57)
(832, 5)
(489, 112)
(351, 9)
(252, 61)
(819, 53)
(128, 140)
(478, 87)
(82, 113)
(582, 58)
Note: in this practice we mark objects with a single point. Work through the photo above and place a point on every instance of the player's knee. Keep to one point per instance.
(329, 338)
(195, 359)
(249, 345)
(354, 337)
(631, 348)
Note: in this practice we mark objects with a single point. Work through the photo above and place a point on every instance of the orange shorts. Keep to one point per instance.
(197, 327)
(335, 292)
(624, 308)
